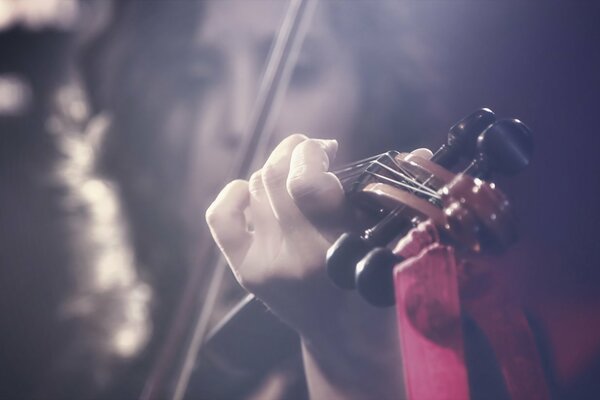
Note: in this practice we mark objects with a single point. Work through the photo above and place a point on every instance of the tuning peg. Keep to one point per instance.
(462, 137)
(505, 147)
(349, 248)
(374, 277)
(344, 252)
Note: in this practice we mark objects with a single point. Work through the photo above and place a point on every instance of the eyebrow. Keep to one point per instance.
(311, 46)
(202, 53)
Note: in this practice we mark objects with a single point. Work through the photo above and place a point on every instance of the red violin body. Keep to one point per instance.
(434, 294)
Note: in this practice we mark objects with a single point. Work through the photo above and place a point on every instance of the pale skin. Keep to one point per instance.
(274, 231)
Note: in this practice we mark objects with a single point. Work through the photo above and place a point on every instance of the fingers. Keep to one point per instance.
(260, 214)
(227, 223)
(315, 191)
(274, 177)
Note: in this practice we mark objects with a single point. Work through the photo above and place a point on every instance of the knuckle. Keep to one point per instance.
(212, 215)
(300, 184)
(291, 141)
(305, 147)
(296, 137)
(255, 183)
(274, 174)
(313, 145)
(311, 153)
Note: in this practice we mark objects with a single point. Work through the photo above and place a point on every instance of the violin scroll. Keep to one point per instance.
(348, 250)
(478, 217)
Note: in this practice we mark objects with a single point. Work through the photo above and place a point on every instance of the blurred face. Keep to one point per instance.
(231, 45)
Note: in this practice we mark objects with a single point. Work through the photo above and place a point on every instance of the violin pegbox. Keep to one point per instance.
(350, 248)
(476, 216)
(470, 214)
(432, 275)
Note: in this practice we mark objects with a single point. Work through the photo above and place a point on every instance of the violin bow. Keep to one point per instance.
(279, 67)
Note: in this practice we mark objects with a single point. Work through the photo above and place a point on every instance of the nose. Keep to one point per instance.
(241, 95)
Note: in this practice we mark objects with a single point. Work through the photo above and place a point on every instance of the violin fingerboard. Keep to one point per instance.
(429, 325)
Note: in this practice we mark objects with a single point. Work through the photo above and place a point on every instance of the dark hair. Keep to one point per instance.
(132, 61)
(397, 82)
(131, 71)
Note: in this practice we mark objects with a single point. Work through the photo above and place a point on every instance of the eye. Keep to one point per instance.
(201, 73)
(198, 67)
(306, 73)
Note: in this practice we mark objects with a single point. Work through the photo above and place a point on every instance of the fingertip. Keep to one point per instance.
(297, 136)
(422, 152)
(330, 146)
(233, 196)
(315, 192)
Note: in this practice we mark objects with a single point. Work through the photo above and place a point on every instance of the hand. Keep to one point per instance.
(274, 231)
(263, 228)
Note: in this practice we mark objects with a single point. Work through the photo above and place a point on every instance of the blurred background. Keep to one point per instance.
(120, 121)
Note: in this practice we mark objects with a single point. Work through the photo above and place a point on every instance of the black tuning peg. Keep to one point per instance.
(505, 147)
(349, 248)
(374, 277)
(462, 137)
(343, 253)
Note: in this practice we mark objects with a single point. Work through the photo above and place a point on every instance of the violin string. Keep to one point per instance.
(398, 211)
(422, 184)
(402, 173)
(355, 165)
(400, 167)
(350, 178)
(405, 185)
(349, 172)
(351, 175)
(407, 177)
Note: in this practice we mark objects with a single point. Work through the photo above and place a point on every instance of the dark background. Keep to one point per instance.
(539, 62)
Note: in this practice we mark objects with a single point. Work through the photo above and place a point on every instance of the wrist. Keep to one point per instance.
(355, 355)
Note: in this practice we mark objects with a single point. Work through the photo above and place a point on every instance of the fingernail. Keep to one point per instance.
(330, 146)
(422, 152)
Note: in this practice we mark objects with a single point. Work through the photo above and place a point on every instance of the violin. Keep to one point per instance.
(408, 189)
(418, 190)
(426, 275)
(442, 217)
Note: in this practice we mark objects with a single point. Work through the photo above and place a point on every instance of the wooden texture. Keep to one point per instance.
(433, 293)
